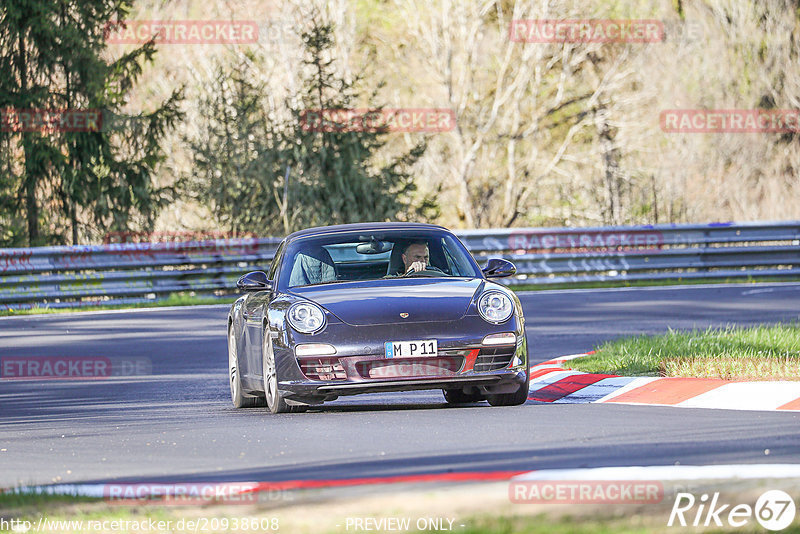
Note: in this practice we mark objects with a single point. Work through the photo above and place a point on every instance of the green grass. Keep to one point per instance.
(174, 299)
(638, 523)
(650, 283)
(622, 519)
(36, 500)
(731, 353)
(31, 507)
(77, 518)
(542, 524)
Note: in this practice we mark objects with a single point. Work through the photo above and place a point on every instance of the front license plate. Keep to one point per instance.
(411, 349)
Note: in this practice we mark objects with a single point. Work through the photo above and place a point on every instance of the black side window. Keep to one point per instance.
(451, 263)
(276, 260)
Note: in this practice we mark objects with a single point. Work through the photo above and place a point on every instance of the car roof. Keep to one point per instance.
(371, 226)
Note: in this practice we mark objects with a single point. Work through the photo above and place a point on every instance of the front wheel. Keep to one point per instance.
(237, 394)
(510, 399)
(275, 401)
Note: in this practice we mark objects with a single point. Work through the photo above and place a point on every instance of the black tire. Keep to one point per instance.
(510, 399)
(274, 400)
(458, 396)
(238, 397)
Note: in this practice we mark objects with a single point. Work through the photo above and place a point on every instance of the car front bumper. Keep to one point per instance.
(361, 366)
(313, 392)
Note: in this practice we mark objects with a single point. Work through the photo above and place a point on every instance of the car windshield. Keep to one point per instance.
(373, 255)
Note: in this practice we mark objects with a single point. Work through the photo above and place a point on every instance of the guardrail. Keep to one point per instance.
(121, 273)
(657, 252)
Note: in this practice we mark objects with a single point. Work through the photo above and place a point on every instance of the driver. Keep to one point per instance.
(416, 257)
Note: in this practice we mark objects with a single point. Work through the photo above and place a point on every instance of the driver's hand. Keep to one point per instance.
(416, 267)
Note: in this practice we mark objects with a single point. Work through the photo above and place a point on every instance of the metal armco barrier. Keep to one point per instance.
(121, 273)
(73, 276)
(709, 251)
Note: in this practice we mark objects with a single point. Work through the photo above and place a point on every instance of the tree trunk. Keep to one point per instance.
(31, 178)
(611, 173)
(31, 206)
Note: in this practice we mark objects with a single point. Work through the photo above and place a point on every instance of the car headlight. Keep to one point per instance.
(306, 318)
(495, 306)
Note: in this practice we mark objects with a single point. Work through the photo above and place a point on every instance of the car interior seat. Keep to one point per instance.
(396, 265)
(312, 267)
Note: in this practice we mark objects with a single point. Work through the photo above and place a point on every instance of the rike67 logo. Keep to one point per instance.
(774, 510)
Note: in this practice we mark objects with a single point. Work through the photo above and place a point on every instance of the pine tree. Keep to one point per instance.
(235, 160)
(335, 163)
(69, 181)
(267, 175)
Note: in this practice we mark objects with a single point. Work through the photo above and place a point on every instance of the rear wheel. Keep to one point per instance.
(459, 396)
(237, 394)
(275, 401)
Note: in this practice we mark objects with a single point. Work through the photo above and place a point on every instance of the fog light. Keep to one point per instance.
(314, 349)
(516, 362)
(508, 338)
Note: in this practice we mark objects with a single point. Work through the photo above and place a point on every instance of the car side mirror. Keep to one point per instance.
(498, 268)
(254, 281)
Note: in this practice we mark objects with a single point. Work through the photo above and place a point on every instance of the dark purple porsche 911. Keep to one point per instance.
(375, 307)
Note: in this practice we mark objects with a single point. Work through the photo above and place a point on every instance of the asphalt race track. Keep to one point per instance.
(177, 423)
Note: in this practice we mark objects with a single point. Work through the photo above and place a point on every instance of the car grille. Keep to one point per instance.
(491, 359)
(322, 368)
(449, 363)
(411, 367)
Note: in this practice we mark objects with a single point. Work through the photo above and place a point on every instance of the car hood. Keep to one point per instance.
(383, 301)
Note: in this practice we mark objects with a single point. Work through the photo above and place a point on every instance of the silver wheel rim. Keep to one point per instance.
(270, 377)
(232, 367)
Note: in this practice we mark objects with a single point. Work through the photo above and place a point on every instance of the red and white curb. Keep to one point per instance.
(203, 492)
(209, 492)
(553, 381)
(668, 472)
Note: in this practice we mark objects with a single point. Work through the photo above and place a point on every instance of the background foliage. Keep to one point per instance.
(546, 134)
(66, 185)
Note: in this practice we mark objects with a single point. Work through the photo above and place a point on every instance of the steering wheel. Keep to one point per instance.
(429, 272)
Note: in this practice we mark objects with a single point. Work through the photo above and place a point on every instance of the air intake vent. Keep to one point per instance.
(492, 359)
